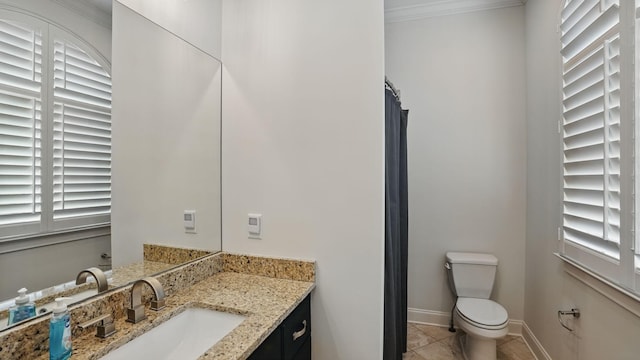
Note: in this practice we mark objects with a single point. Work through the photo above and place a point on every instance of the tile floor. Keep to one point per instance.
(425, 342)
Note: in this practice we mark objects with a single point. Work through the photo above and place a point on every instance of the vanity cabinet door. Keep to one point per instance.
(291, 340)
(296, 329)
(305, 351)
(271, 348)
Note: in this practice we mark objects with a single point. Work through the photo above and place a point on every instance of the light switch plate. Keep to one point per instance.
(189, 219)
(254, 226)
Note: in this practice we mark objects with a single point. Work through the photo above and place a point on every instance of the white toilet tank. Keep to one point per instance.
(471, 274)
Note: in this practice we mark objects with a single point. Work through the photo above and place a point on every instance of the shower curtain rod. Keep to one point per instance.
(393, 89)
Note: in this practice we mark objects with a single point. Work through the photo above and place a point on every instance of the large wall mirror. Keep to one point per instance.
(109, 134)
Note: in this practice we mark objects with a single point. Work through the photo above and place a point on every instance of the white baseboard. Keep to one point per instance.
(515, 327)
(440, 318)
(429, 317)
(534, 345)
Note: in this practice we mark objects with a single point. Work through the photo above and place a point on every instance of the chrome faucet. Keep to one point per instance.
(101, 279)
(136, 312)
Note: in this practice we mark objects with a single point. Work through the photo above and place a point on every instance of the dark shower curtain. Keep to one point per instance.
(396, 228)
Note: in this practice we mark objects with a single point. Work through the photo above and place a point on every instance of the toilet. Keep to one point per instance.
(471, 277)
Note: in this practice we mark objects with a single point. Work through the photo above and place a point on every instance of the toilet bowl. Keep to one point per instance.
(471, 278)
(483, 322)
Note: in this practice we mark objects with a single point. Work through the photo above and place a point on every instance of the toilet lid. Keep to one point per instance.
(484, 313)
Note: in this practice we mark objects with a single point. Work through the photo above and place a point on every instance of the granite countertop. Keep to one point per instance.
(265, 301)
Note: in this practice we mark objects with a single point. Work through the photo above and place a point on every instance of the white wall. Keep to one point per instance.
(197, 21)
(462, 79)
(165, 139)
(604, 329)
(303, 145)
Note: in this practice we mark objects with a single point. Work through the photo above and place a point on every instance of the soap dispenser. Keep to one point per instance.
(60, 331)
(23, 309)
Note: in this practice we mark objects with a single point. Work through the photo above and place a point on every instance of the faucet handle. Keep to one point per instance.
(136, 314)
(105, 325)
(157, 304)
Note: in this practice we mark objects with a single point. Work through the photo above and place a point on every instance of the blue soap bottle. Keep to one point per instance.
(60, 331)
(23, 309)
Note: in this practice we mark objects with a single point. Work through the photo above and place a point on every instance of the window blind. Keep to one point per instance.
(20, 123)
(591, 125)
(55, 130)
(82, 134)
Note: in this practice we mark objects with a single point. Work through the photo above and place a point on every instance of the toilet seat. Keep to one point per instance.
(483, 313)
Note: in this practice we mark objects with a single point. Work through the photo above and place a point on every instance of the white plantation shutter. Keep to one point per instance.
(20, 123)
(591, 125)
(55, 130)
(82, 134)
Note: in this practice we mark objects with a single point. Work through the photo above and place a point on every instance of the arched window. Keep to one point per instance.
(598, 49)
(55, 129)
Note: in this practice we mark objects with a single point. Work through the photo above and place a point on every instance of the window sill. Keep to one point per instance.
(612, 291)
(25, 242)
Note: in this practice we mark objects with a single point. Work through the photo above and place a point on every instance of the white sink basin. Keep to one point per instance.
(185, 336)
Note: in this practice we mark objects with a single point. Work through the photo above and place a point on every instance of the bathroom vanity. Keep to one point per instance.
(272, 294)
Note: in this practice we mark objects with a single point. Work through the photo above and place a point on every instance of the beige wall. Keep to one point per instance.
(303, 145)
(605, 330)
(462, 79)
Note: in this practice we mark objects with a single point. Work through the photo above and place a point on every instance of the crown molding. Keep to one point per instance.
(444, 7)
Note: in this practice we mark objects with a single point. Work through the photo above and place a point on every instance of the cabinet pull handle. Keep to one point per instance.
(298, 334)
